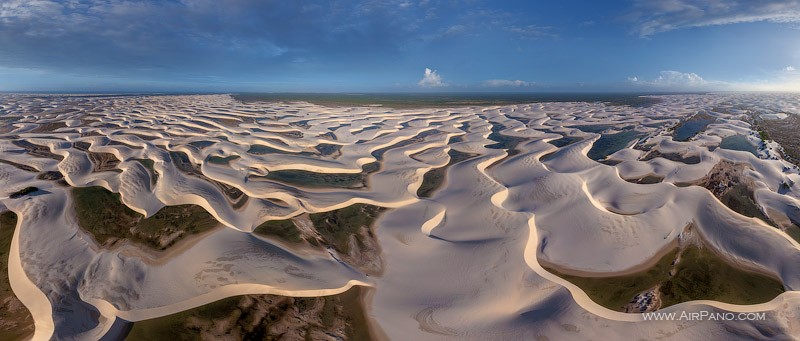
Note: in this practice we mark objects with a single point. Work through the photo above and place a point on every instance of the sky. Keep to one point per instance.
(399, 46)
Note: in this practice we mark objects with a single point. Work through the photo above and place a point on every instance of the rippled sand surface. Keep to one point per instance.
(465, 259)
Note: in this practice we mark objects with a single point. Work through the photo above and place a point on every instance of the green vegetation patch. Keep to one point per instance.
(260, 149)
(17, 322)
(647, 180)
(184, 164)
(784, 132)
(794, 232)
(313, 179)
(282, 229)
(19, 166)
(338, 225)
(327, 149)
(23, 192)
(102, 213)
(50, 175)
(614, 292)
(689, 160)
(357, 326)
(506, 142)
(703, 275)
(263, 317)
(202, 144)
(434, 178)
(8, 223)
(219, 160)
(151, 167)
(741, 199)
(305, 178)
(565, 141)
(104, 162)
(700, 274)
(37, 150)
(378, 153)
(728, 182)
(763, 135)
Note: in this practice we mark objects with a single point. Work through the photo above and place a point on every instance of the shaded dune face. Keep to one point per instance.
(477, 222)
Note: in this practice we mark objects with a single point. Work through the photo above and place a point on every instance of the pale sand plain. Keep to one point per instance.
(464, 262)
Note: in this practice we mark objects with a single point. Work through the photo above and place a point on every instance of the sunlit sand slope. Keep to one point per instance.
(588, 189)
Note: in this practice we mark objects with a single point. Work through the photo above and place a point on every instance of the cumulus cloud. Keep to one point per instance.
(676, 80)
(671, 78)
(431, 79)
(785, 80)
(652, 17)
(505, 83)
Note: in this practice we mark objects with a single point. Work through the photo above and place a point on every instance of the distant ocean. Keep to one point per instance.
(427, 100)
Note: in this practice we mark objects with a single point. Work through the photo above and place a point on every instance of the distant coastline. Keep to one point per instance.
(428, 100)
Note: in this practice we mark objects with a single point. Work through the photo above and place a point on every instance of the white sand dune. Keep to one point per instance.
(466, 262)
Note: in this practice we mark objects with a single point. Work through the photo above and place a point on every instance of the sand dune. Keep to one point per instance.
(464, 262)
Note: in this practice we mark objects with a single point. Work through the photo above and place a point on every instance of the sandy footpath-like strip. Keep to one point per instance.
(216, 295)
(28, 293)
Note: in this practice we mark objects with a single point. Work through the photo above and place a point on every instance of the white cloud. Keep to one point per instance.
(652, 17)
(688, 81)
(676, 80)
(500, 83)
(785, 79)
(431, 79)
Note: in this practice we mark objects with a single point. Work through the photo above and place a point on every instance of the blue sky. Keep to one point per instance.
(399, 45)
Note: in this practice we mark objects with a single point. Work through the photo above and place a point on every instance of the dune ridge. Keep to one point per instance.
(463, 262)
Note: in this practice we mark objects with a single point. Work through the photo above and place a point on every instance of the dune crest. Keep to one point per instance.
(589, 189)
